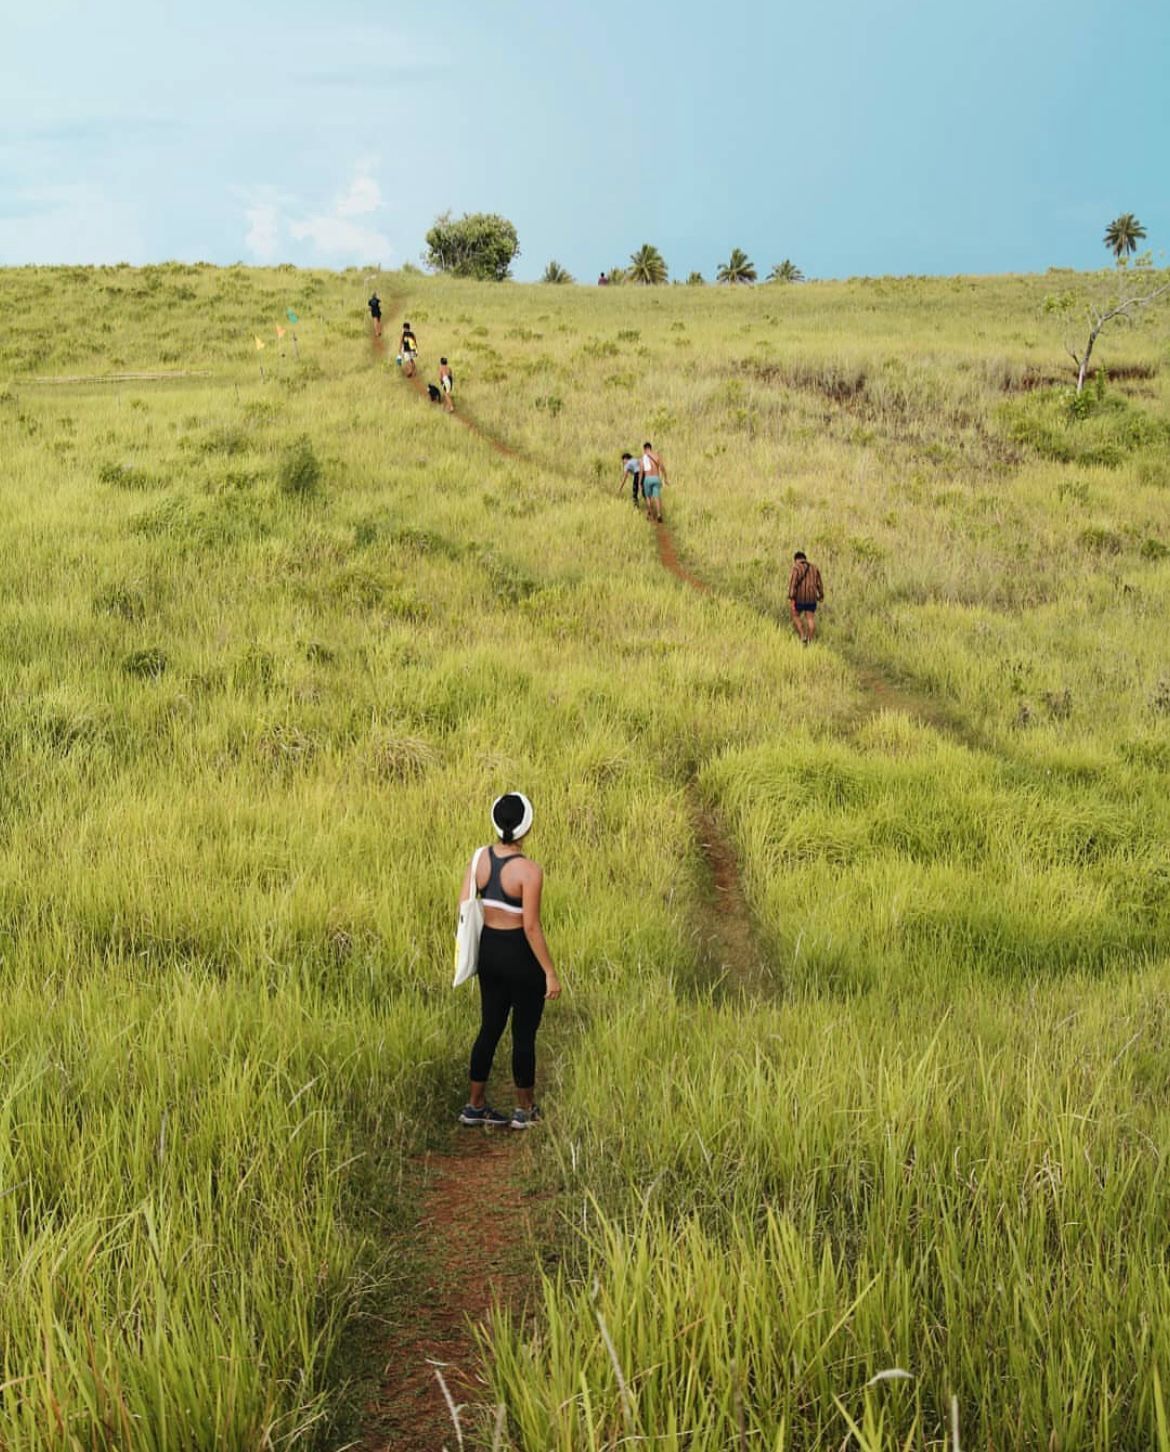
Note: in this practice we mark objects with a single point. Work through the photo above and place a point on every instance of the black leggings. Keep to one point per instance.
(510, 981)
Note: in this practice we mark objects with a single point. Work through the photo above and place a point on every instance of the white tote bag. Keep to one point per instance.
(469, 929)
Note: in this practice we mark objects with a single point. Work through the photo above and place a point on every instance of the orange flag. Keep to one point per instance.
(279, 331)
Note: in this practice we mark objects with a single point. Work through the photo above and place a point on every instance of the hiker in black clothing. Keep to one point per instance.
(408, 350)
(375, 306)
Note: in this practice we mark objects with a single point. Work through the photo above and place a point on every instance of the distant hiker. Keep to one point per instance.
(653, 478)
(447, 384)
(603, 281)
(408, 350)
(632, 469)
(515, 971)
(375, 306)
(805, 592)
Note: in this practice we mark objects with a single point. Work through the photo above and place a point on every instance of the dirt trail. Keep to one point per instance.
(670, 560)
(726, 938)
(476, 1181)
(880, 693)
(474, 1235)
(419, 384)
(474, 1240)
(727, 943)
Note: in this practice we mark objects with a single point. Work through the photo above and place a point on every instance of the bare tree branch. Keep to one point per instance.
(1099, 318)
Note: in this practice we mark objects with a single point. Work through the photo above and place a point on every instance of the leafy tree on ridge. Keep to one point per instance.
(648, 267)
(482, 245)
(554, 272)
(1123, 235)
(738, 269)
(786, 271)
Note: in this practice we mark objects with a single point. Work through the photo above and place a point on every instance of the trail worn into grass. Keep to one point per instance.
(728, 949)
(880, 692)
(727, 943)
(78, 378)
(475, 1239)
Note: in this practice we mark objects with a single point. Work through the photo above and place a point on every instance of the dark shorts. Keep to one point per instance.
(805, 607)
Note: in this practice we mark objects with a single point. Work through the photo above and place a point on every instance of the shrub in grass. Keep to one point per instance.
(299, 472)
(124, 476)
(1100, 541)
(148, 664)
(119, 600)
(400, 758)
(226, 439)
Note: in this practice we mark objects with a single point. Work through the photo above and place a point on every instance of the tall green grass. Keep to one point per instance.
(778, 1204)
(248, 736)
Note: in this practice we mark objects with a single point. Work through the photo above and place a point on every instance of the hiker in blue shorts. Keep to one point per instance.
(653, 478)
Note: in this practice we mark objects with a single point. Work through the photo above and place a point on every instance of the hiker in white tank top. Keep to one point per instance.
(653, 478)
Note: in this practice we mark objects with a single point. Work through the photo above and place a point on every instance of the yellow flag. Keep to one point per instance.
(279, 331)
(259, 344)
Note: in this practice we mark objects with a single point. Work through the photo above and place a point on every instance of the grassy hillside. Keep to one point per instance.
(252, 714)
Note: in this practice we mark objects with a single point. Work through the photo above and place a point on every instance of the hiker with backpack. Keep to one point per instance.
(806, 590)
(408, 350)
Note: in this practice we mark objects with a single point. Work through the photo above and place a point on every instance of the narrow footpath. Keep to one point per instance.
(430, 1394)
(475, 1236)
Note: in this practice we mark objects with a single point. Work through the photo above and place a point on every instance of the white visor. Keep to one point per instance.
(525, 822)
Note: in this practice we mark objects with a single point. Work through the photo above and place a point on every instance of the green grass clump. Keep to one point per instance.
(299, 472)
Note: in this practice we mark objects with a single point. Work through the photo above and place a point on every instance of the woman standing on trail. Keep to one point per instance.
(516, 974)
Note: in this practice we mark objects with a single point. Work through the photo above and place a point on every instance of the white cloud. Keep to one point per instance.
(262, 238)
(340, 238)
(334, 235)
(363, 196)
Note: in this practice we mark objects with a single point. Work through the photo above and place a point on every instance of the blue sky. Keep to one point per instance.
(854, 136)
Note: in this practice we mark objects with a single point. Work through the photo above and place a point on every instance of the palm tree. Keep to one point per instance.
(618, 275)
(696, 279)
(738, 268)
(554, 272)
(1123, 235)
(647, 266)
(786, 271)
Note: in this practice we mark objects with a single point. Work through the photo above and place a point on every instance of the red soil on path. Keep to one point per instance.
(670, 560)
(475, 1230)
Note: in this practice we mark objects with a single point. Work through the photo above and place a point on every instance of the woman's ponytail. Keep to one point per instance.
(511, 816)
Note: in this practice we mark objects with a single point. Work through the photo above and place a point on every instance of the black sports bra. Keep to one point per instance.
(493, 892)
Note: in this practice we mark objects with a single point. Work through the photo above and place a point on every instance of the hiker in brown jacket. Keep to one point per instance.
(806, 590)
